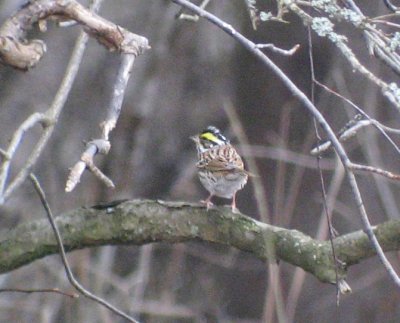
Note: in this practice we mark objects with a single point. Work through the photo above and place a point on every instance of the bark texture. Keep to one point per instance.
(139, 222)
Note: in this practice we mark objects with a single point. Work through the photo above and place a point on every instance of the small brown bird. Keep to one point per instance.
(220, 168)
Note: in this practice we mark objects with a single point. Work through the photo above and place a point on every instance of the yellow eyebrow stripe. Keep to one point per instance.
(209, 136)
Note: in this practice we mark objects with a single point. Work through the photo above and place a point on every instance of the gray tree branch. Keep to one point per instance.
(139, 222)
(21, 53)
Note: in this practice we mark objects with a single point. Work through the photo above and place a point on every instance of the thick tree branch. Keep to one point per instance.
(18, 52)
(138, 222)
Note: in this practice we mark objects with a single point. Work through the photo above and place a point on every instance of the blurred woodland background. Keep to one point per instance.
(195, 75)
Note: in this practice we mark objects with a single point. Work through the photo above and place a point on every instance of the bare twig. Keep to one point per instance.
(39, 290)
(368, 120)
(253, 13)
(121, 82)
(327, 214)
(384, 22)
(273, 48)
(52, 113)
(185, 16)
(374, 170)
(249, 45)
(349, 130)
(30, 122)
(103, 145)
(299, 275)
(86, 161)
(50, 116)
(377, 41)
(64, 259)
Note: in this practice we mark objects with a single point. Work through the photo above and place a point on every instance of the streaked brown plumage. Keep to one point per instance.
(220, 167)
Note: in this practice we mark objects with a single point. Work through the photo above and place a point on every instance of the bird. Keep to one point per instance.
(220, 167)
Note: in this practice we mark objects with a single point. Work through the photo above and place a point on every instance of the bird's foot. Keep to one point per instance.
(207, 203)
(235, 210)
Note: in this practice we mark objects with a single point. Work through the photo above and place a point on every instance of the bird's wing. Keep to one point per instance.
(224, 158)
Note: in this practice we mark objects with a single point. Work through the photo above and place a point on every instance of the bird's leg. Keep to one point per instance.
(234, 208)
(208, 202)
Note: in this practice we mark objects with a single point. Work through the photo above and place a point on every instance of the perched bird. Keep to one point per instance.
(220, 168)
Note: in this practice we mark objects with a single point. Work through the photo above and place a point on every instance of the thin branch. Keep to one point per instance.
(30, 122)
(184, 16)
(324, 28)
(384, 22)
(377, 41)
(299, 276)
(39, 290)
(20, 53)
(253, 13)
(374, 170)
(86, 161)
(249, 45)
(379, 126)
(372, 147)
(129, 43)
(52, 113)
(273, 48)
(64, 259)
(321, 177)
(103, 145)
(121, 82)
(368, 228)
(348, 131)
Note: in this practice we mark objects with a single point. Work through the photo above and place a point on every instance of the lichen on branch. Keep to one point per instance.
(139, 222)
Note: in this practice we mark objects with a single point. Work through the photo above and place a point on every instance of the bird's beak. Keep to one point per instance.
(194, 138)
